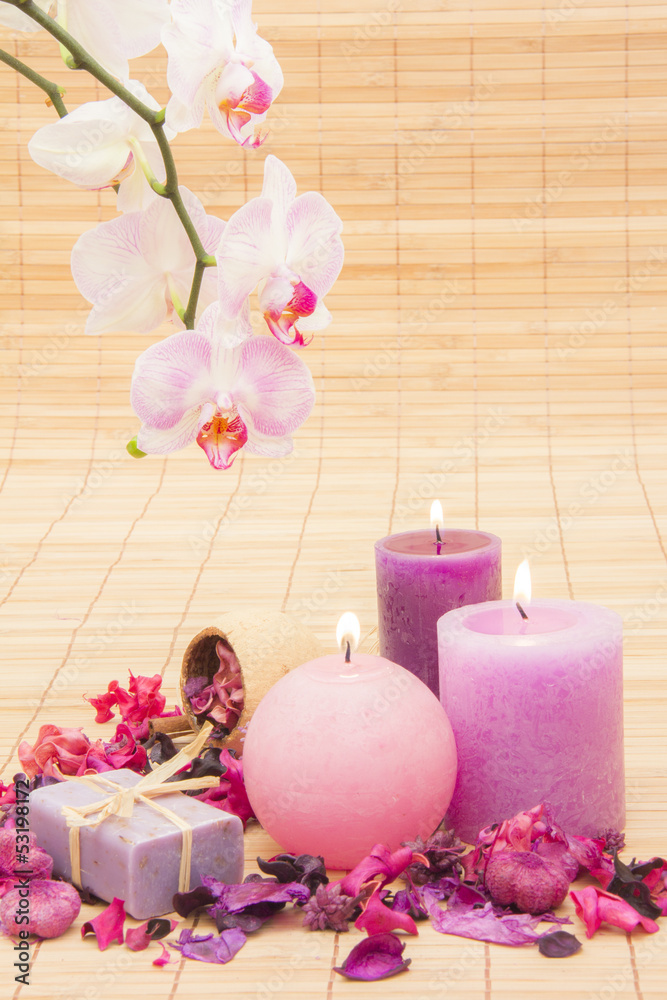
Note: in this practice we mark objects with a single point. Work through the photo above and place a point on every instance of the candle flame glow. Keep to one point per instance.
(437, 517)
(348, 630)
(522, 584)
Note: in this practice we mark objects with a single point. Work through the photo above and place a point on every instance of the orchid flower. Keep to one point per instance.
(217, 59)
(192, 387)
(111, 31)
(292, 246)
(137, 269)
(104, 143)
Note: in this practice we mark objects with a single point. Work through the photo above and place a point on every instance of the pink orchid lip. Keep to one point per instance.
(221, 437)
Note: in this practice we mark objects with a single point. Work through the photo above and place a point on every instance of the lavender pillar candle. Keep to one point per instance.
(419, 579)
(536, 706)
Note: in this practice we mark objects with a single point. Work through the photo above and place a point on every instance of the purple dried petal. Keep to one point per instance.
(380, 863)
(559, 944)
(376, 957)
(329, 909)
(53, 907)
(209, 948)
(408, 901)
(482, 924)
(107, 925)
(195, 685)
(235, 898)
(185, 902)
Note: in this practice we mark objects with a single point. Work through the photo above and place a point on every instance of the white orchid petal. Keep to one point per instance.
(318, 320)
(172, 378)
(269, 447)
(11, 17)
(155, 441)
(182, 117)
(279, 185)
(315, 247)
(273, 388)
(113, 31)
(245, 254)
(164, 242)
(110, 271)
(229, 332)
(199, 41)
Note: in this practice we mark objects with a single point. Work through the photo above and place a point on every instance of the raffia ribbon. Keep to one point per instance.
(122, 802)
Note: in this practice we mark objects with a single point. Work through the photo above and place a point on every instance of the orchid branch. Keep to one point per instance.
(155, 119)
(53, 90)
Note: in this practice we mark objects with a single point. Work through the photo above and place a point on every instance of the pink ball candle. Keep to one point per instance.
(342, 755)
(536, 706)
(418, 580)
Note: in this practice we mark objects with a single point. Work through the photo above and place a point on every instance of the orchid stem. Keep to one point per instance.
(189, 315)
(80, 59)
(53, 91)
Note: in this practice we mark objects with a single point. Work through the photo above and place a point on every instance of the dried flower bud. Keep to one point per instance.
(614, 840)
(329, 908)
(52, 906)
(527, 880)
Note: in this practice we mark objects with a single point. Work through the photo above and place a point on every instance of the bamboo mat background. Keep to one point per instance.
(498, 341)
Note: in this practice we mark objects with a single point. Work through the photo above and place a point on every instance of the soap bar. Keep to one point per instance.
(137, 858)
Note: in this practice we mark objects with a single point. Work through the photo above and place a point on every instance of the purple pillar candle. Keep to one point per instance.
(536, 706)
(419, 579)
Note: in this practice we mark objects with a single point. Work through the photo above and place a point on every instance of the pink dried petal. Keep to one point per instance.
(166, 958)
(595, 905)
(107, 925)
(64, 747)
(53, 906)
(104, 703)
(139, 938)
(376, 918)
(376, 957)
(382, 863)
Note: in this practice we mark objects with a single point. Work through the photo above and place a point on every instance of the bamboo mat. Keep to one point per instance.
(498, 341)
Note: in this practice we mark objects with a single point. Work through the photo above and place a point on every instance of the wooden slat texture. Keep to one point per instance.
(497, 341)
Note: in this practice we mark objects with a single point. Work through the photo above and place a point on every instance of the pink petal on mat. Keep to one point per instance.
(107, 925)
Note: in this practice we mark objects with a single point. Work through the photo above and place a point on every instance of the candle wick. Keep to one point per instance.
(521, 611)
(437, 534)
(348, 652)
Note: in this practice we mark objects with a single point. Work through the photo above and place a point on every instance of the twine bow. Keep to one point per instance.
(123, 800)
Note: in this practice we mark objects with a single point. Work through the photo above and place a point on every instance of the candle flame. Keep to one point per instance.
(348, 630)
(437, 517)
(522, 585)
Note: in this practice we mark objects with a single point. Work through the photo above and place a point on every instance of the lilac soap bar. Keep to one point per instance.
(137, 859)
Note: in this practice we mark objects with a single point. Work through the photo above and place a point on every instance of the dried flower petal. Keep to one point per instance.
(53, 907)
(595, 905)
(138, 938)
(442, 850)
(380, 864)
(481, 924)
(107, 925)
(376, 957)
(166, 958)
(305, 868)
(376, 918)
(208, 947)
(559, 944)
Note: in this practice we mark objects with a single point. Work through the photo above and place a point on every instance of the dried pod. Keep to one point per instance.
(527, 880)
(50, 907)
(266, 645)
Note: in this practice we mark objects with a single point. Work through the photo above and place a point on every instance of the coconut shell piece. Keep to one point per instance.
(267, 644)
